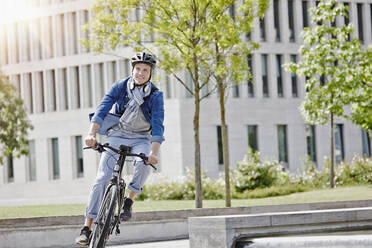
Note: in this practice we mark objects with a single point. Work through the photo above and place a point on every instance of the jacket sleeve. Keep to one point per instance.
(106, 103)
(157, 118)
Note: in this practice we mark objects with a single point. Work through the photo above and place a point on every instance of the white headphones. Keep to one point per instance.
(132, 85)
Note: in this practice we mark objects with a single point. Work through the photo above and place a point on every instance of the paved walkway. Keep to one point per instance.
(183, 243)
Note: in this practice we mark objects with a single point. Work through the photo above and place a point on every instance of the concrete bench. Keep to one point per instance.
(225, 231)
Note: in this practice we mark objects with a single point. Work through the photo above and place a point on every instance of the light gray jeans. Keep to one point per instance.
(106, 166)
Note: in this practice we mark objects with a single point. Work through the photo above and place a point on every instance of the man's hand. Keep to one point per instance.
(152, 159)
(90, 140)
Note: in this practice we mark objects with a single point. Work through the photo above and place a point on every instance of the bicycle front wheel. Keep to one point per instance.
(105, 216)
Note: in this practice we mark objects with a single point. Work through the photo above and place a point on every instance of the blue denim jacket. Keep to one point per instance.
(152, 108)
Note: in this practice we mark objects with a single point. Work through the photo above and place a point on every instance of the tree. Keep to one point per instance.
(14, 124)
(184, 33)
(229, 54)
(336, 68)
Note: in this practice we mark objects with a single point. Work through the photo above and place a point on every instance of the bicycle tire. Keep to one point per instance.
(101, 229)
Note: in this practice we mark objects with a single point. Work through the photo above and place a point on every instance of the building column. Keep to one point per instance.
(60, 82)
(38, 92)
(26, 91)
(58, 36)
(271, 74)
(23, 41)
(73, 87)
(298, 21)
(12, 43)
(269, 23)
(257, 78)
(42, 169)
(367, 24)
(353, 18)
(284, 22)
(47, 37)
(286, 78)
(3, 45)
(35, 39)
(49, 85)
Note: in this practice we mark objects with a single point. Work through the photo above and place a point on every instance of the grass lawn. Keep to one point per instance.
(324, 195)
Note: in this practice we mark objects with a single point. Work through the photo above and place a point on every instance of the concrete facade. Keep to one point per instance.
(60, 83)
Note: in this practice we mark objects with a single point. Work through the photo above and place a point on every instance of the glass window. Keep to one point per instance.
(339, 143)
(262, 29)
(252, 137)
(322, 80)
(55, 158)
(279, 79)
(360, 22)
(366, 142)
(250, 81)
(31, 170)
(79, 156)
(293, 59)
(10, 169)
(235, 91)
(65, 89)
(291, 21)
(310, 142)
(219, 144)
(265, 83)
(282, 143)
(305, 15)
(41, 89)
(370, 11)
(346, 18)
(276, 20)
(232, 11)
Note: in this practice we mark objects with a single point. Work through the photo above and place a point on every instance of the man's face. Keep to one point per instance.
(141, 73)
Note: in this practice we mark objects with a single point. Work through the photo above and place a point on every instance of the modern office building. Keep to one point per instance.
(61, 82)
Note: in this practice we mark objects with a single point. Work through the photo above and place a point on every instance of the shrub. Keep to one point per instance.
(253, 173)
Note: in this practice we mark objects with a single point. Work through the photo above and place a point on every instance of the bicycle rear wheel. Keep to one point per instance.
(105, 216)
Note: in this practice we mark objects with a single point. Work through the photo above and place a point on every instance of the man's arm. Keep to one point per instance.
(90, 140)
(153, 156)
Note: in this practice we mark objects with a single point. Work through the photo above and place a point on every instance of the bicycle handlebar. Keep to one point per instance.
(101, 148)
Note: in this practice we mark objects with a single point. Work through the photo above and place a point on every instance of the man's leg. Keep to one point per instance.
(104, 174)
(141, 173)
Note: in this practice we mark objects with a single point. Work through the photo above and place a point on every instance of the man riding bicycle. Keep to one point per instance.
(140, 106)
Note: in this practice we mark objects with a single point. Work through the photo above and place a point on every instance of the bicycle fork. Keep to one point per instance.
(120, 203)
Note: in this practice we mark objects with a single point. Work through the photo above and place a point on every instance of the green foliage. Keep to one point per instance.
(14, 124)
(253, 173)
(358, 171)
(255, 178)
(345, 65)
(183, 189)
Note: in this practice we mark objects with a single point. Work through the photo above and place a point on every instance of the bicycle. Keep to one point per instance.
(106, 221)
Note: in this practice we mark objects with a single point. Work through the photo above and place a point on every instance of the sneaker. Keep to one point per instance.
(127, 210)
(84, 237)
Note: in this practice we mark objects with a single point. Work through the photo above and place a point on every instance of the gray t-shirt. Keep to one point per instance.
(141, 128)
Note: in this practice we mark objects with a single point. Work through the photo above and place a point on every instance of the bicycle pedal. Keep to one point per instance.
(117, 231)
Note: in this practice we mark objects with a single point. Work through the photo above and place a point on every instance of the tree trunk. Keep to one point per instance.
(332, 167)
(198, 185)
(225, 151)
(198, 179)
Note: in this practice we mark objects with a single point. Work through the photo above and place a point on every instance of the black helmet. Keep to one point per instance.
(143, 58)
